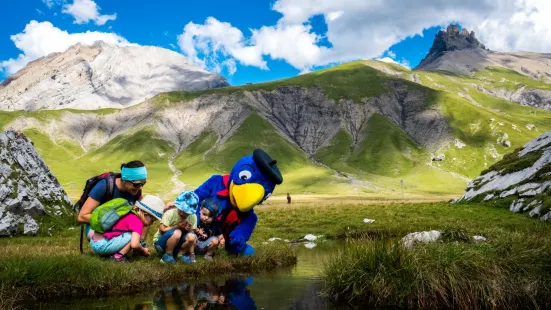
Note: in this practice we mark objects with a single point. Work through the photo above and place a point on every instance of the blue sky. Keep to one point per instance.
(254, 40)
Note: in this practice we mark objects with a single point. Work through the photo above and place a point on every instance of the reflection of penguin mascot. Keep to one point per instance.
(251, 181)
(239, 295)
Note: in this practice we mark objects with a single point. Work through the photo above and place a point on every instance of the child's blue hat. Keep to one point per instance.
(187, 202)
(211, 205)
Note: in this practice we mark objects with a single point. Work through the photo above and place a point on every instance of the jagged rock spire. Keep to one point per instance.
(451, 40)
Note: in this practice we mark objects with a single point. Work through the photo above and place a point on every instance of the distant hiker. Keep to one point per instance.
(99, 189)
(117, 239)
(288, 199)
(175, 238)
(209, 234)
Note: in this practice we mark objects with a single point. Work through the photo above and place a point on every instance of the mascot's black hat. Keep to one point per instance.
(268, 166)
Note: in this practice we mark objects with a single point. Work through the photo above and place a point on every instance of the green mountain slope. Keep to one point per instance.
(204, 157)
(366, 123)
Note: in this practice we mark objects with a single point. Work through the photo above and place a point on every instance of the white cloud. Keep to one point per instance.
(85, 11)
(295, 44)
(51, 3)
(231, 66)
(391, 54)
(39, 39)
(210, 44)
(48, 3)
(39, 12)
(403, 62)
(331, 16)
(359, 29)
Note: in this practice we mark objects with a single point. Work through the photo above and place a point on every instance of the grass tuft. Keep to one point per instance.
(506, 273)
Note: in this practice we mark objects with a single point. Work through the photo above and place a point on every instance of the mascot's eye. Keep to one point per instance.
(245, 175)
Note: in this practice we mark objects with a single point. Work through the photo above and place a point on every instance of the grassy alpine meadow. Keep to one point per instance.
(510, 270)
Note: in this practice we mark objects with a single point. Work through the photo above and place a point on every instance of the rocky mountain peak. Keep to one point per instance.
(452, 39)
(102, 75)
(28, 189)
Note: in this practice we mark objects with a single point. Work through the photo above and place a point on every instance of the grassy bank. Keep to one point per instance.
(510, 270)
(45, 267)
(337, 220)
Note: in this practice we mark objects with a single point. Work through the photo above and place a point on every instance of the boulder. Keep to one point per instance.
(28, 189)
(440, 157)
(411, 239)
(522, 178)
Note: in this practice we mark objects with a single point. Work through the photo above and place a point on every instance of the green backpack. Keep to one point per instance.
(106, 215)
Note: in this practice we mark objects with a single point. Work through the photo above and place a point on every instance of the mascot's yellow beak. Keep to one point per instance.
(246, 196)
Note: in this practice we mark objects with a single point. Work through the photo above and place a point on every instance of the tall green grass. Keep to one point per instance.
(508, 272)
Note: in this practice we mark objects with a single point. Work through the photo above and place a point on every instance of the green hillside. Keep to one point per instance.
(383, 158)
(300, 174)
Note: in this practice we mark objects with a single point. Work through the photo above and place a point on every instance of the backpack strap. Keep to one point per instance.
(110, 188)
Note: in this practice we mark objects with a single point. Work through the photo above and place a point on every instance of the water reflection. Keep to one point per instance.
(232, 294)
(293, 288)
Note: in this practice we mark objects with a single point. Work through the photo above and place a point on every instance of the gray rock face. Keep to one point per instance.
(310, 119)
(305, 116)
(525, 187)
(460, 52)
(102, 76)
(28, 190)
(451, 40)
(536, 98)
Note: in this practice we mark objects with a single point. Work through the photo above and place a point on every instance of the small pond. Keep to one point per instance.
(287, 288)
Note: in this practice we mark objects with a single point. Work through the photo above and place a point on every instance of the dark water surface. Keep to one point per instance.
(287, 288)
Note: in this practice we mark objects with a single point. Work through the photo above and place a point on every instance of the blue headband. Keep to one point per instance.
(134, 174)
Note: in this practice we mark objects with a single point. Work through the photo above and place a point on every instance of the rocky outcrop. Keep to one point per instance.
(28, 190)
(534, 65)
(305, 116)
(451, 40)
(521, 181)
(463, 48)
(536, 98)
(102, 76)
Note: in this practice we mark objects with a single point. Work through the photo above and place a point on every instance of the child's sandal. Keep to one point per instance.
(120, 258)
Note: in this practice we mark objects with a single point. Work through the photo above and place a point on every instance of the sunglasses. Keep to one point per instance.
(138, 184)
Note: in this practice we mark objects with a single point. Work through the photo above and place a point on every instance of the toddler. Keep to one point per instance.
(127, 232)
(209, 234)
(175, 237)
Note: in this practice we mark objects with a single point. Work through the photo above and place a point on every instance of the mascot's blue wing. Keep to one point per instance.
(244, 230)
(210, 187)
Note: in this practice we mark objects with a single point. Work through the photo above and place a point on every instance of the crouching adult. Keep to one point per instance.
(127, 184)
